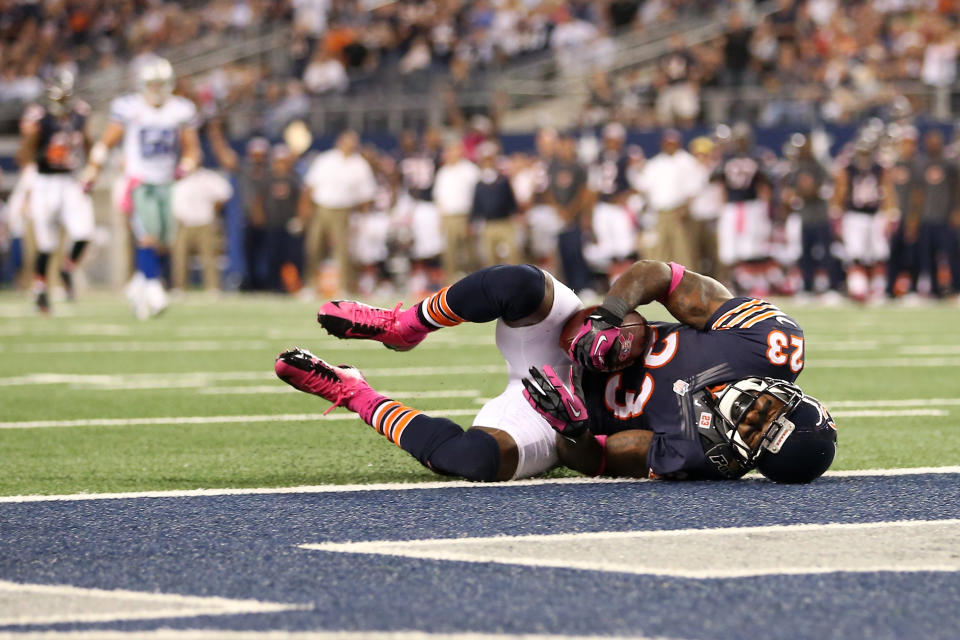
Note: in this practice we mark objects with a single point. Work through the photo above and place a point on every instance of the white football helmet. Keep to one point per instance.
(155, 80)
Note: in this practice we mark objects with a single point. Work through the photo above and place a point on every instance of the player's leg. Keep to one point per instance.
(511, 292)
(78, 222)
(147, 225)
(438, 443)
(44, 205)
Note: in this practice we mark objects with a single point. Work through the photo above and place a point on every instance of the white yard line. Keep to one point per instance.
(218, 634)
(409, 486)
(284, 388)
(102, 605)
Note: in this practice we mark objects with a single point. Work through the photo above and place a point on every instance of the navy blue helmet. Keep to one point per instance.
(797, 447)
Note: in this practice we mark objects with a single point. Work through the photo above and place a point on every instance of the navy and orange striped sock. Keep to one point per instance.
(438, 443)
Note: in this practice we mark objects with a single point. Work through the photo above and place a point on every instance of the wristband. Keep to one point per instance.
(98, 154)
(602, 440)
(615, 306)
(676, 275)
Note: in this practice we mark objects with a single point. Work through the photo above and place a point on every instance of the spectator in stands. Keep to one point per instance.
(453, 194)
(678, 100)
(494, 211)
(736, 51)
(665, 181)
(197, 197)
(906, 246)
(325, 74)
(341, 181)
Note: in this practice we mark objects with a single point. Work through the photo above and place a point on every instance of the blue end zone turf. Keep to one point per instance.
(247, 547)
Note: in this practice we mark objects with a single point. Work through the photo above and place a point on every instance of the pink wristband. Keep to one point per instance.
(603, 454)
(676, 275)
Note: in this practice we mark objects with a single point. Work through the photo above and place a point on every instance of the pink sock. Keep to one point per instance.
(365, 402)
(410, 323)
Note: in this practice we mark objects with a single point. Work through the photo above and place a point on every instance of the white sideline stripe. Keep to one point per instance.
(176, 605)
(411, 486)
(131, 422)
(217, 634)
(142, 346)
(553, 550)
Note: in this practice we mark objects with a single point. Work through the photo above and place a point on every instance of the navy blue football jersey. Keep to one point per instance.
(741, 175)
(746, 337)
(60, 143)
(608, 175)
(864, 188)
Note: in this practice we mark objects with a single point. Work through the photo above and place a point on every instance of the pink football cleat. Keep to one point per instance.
(396, 329)
(343, 385)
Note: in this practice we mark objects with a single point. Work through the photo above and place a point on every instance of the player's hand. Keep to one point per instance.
(560, 405)
(88, 177)
(599, 335)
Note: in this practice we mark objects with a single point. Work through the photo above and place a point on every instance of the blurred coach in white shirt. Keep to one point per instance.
(668, 182)
(453, 194)
(341, 181)
(196, 199)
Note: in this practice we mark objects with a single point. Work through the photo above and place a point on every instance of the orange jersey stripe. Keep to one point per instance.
(761, 318)
(734, 311)
(739, 319)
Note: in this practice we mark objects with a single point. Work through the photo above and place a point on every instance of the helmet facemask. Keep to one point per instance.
(736, 401)
(155, 79)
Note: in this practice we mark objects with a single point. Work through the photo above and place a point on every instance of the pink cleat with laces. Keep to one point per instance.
(342, 385)
(396, 329)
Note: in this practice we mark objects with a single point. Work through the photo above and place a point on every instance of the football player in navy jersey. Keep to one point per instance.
(864, 192)
(712, 398)
(614, 227)
(708, 397)
(54, 137)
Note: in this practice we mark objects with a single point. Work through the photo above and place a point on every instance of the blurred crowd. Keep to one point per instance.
(879, 220)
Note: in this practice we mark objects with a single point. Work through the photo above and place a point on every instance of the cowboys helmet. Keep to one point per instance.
(798, 445)
(155, 80)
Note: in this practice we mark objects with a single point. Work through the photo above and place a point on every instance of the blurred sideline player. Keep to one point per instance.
(14, 220)
(709, 397)
(861, 189)
(743, 229)
(54, 137)
(160, 144)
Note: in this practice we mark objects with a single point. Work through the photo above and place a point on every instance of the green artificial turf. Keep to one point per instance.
(93, 361)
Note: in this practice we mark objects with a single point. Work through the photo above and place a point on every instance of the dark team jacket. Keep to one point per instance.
(60, 144)
(746, 337)
(419, 172)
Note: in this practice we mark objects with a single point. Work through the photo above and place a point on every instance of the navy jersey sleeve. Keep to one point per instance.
(757, 339)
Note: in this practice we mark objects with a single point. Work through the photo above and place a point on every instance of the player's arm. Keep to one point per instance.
(225, 155)
(29, 135)
(690, 297)
(840, 186)
(621, 455)
(190, 155)
(100, 152)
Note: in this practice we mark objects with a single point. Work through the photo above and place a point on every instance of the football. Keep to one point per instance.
(634, 331)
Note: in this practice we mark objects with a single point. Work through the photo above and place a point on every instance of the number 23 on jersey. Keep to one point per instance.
(785, 349)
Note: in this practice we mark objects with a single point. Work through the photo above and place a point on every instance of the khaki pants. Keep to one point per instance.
(673, 238)
(329, 226)
(499, 240)
(458, 250)
(703, 242)
(203, 240)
